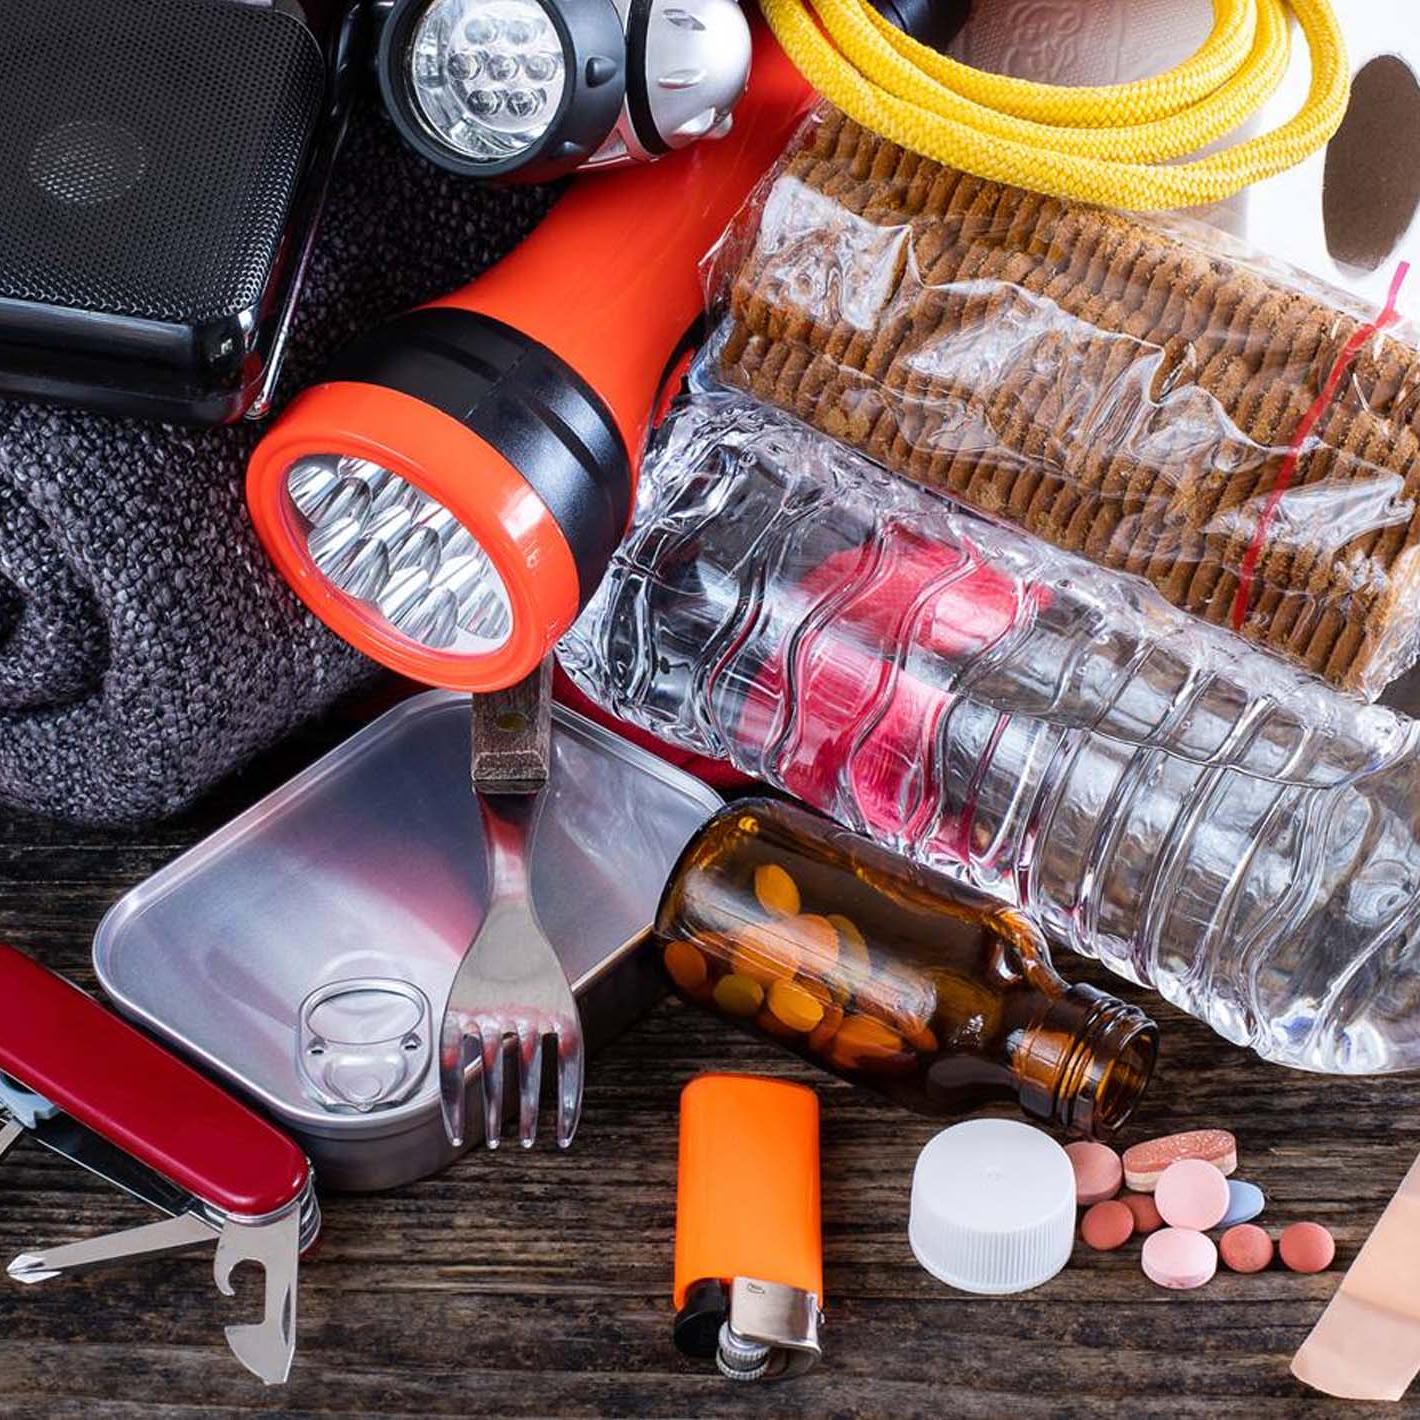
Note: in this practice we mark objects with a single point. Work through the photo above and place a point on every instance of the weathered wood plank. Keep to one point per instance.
(538, 1284)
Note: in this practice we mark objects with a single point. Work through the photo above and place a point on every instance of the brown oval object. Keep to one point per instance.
(1107, 1225)
(1097, 1171)
(1145, 1211)
(1307, 1247)
(1144, 1163)
(1368, 198)
(1245, 1248)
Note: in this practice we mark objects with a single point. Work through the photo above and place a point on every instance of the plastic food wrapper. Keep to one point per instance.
(1146, 393)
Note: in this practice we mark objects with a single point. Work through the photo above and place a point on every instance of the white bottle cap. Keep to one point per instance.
(993, 1207)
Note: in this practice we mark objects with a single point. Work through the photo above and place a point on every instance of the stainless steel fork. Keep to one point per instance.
(511, 991)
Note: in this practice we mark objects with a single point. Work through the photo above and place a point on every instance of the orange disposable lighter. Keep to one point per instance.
(748, 1244)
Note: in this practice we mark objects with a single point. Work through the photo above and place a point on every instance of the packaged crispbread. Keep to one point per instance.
(1141, 391)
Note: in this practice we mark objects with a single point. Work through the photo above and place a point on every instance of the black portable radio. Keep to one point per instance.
(162, 165)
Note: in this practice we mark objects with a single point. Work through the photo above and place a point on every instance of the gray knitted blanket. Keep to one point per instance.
(146, 647)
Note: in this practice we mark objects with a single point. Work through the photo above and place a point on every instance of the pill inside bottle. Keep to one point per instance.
(892, 975)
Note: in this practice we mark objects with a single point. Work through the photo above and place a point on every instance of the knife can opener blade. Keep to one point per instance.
(128, 1111)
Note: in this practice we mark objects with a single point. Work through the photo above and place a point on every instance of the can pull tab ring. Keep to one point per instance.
(363, 1044)
(771, 1333)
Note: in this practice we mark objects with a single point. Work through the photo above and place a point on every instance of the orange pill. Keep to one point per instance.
(777, 892)
(822, 1035)
(1245, 1248)
(861, 1038)
(765, 952)
(1145, 1211)
(817, 939)
(686, 966)
(816, 988)
(1307, 1247)
(922, 1038)
(842, 1059)
(847, 928)
(794, 1007)
(1107, 1226)
(854, 964)
(738, 995)
(768, 1022)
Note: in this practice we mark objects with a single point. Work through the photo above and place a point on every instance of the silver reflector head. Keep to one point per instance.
(388, 545)
(487, 76)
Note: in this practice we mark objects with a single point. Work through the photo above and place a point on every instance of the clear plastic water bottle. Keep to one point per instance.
(1197, 814)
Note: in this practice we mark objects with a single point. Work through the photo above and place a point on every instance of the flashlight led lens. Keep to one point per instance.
(389, 546)
(487, 75)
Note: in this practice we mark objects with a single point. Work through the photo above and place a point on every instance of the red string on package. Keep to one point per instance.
(1248, 571)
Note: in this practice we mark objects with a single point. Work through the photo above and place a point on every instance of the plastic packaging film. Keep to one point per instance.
(1149, 396)
(1202, 817)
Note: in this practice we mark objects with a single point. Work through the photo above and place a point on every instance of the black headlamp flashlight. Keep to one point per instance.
(536, 88)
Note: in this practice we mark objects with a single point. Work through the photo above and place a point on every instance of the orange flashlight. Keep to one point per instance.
(748, 1239)
(448, 498)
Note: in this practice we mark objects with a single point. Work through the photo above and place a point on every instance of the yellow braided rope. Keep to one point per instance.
(1111, 145)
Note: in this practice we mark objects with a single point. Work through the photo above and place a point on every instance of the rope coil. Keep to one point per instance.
(1115, 145)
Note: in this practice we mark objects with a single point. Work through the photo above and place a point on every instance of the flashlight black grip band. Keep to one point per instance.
(638, 96)
(525, 402)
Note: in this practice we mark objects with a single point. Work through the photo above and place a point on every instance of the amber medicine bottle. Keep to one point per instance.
(892, 975)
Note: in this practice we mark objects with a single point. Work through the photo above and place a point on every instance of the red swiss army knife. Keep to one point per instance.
(162, 1132)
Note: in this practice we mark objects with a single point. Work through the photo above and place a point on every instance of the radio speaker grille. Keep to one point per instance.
(149, 150)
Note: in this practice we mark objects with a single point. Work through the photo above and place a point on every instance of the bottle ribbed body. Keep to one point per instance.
(1196, 813)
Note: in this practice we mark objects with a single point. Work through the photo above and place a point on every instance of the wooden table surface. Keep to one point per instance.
(538, 1284)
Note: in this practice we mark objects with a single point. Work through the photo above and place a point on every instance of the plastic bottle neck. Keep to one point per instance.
(1085, 1061)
